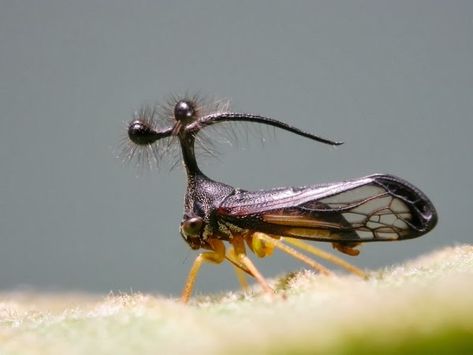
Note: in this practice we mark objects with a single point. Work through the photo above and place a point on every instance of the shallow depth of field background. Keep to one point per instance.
(394, 80)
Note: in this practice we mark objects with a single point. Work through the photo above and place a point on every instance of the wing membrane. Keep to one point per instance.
(372, 208)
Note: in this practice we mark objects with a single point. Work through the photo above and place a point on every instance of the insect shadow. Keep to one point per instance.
(373, 208)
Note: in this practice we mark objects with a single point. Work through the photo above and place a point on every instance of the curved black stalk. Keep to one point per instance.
(188, 154)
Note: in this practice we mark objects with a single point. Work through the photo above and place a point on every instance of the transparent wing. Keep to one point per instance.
(372, 208)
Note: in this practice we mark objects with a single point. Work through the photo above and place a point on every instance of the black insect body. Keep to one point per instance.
(372, 208)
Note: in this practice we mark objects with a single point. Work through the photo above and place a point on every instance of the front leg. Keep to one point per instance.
(215, 256)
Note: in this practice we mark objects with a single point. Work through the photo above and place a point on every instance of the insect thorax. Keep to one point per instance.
(203, 197)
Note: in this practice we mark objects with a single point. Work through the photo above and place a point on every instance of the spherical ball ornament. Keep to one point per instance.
(140, 133)
(184, 110)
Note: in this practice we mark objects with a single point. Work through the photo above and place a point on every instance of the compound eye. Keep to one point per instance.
(140, 133)
(184, 110)
(192, 226)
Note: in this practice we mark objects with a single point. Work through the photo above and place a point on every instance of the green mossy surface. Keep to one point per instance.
(422, 306)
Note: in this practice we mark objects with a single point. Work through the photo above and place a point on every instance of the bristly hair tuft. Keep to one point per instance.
(159, 117)
(144, 157)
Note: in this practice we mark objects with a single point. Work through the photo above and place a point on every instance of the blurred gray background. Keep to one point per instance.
(393, 80)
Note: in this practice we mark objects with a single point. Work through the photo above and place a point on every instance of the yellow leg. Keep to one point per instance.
(240, 252)
(241, 278)
(258, 245)
(294, 253)
(240, 274)
(216, 256)
(327, 256)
